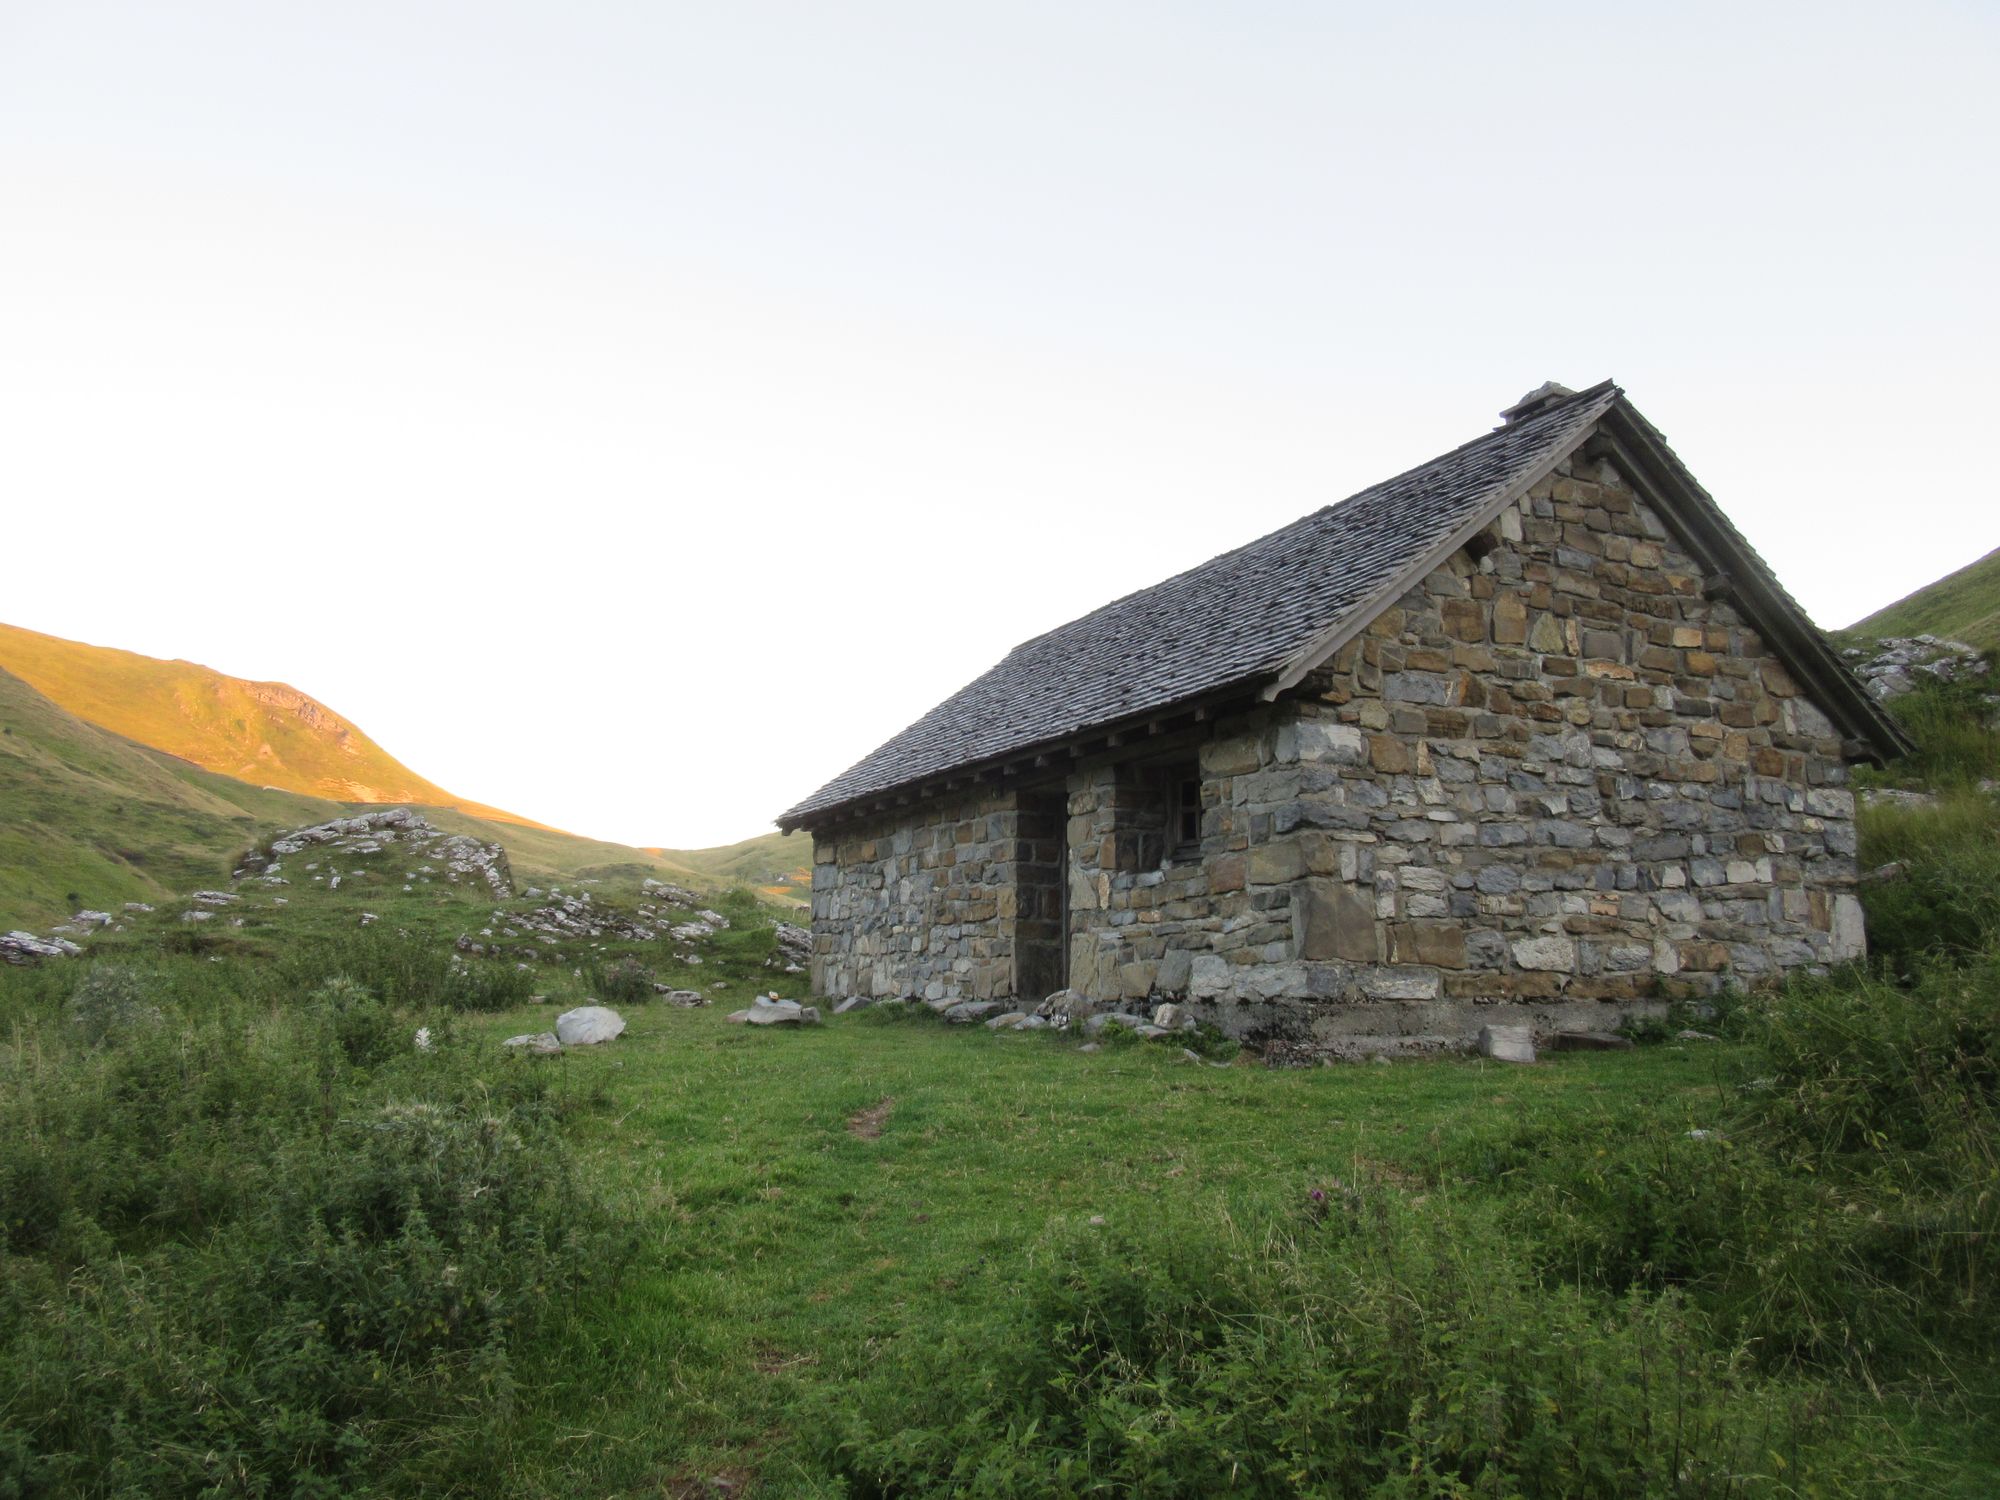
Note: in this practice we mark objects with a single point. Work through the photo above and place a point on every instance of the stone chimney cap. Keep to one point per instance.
(1546, 394)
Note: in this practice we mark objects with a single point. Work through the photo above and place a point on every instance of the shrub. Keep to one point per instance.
(1385, 1351)
(109, 1002)
(624, 980)
(1947, 901)
(269, 1245)
(410, 972)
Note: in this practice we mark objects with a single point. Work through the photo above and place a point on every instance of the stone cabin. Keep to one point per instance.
(1527, 734)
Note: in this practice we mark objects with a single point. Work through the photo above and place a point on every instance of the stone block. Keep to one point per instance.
(1388, 754)
(1552, 953)
(1510, 620)
(1277, 863)
(1343, 744)
(1439, 945)
(1226, 872)
(1335, 920)
(1400, 983)
(1507, 1043)
(1850, 929)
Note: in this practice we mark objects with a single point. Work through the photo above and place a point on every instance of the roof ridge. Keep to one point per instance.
(1514, 429)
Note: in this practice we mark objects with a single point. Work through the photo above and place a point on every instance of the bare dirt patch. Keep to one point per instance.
(866, 1124)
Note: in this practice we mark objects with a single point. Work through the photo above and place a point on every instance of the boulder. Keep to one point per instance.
(1507, 1043)
(1171, 1017)
(852, 1003)
(587, 1025)
(1010, 1018)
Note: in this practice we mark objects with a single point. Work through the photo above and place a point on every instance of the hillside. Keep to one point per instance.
(88, 818)
(779, 864)
(1961, 606)
(265, 733)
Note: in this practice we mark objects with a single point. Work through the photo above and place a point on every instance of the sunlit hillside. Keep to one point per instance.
(266, 733)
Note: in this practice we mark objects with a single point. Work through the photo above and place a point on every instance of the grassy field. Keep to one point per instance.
(278, 1215)
(1963, 606)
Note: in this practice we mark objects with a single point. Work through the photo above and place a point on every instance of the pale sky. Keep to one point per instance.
(630, 414)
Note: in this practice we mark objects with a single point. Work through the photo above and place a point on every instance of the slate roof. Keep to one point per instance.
(1236, 617)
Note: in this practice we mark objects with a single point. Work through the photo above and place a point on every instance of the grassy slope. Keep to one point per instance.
(776, 863)
(88, 818)
(264, 733)
(1963, 606)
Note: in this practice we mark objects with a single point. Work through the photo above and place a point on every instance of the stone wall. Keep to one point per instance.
(1553, 783)
(1551, 777)
(948, 902)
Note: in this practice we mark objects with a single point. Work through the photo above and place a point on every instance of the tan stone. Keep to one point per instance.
(1388, 754)
(1333, 919)
(1276, 864)
(1226, 873)
(1547, 634)
(1510, 620)
(1438, 944)
(1686, 637)
(1463, 619)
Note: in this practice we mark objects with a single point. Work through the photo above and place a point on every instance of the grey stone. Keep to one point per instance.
(588, 1025)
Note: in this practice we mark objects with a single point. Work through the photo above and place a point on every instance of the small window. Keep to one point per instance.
(1184, 829)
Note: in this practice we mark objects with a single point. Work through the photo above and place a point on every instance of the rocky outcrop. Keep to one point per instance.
(1896, 665)
(455, 858)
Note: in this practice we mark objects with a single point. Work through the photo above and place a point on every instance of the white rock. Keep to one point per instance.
(587, 1025)
(1507, 1043)
(538, 1043)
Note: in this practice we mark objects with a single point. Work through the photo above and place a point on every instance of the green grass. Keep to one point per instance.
(1961, 606)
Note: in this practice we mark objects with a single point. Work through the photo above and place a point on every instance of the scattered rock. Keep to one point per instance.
(1886, 874)
(1094, 1024)
(795, 943)
(967, 1011)
(1898, 664)
(1507, 1043)
(684, 997)
(853, 1002)
(137, 906)
(1009, 1019)
(26, 948)
(587, 1025)
(1696, 1036)
(537, 1043)
(1588, 1041)
(1889, 796)
(214, 898)
(92, 919)
(659, 890)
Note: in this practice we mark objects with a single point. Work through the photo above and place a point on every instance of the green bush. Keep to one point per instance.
(270, 1245)
(1381, 1351)
(410, 972)
(1947, 900)
(623, 981)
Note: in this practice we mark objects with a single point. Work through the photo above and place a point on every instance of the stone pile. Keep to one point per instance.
(1896, 665)
(795, 946)
(456, 857)
(672, 895)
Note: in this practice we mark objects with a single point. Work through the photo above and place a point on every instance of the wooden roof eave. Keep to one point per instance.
(1133, 732)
